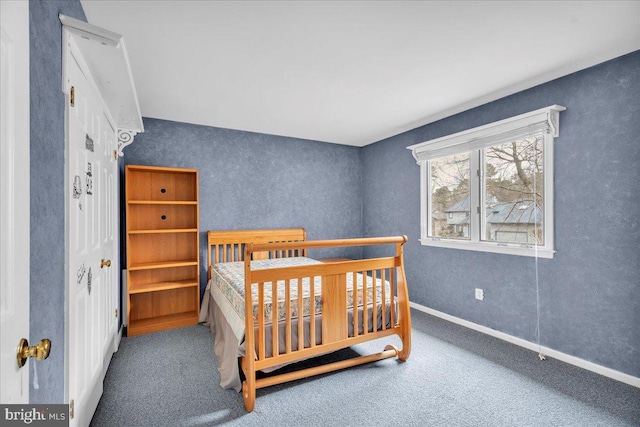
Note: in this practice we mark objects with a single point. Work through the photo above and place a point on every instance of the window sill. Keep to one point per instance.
(496, 248)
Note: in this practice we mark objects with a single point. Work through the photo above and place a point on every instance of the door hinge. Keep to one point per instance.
(115, 154)
(73, 96)
(116, 312)
(71, 408)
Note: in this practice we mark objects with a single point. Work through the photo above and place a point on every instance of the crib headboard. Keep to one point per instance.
(228, 245)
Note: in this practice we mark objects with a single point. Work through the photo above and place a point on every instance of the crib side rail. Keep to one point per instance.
(335, 317)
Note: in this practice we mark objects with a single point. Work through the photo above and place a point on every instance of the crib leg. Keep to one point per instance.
(403, 354)
(249, 394)
(405, 351)
(404, 311)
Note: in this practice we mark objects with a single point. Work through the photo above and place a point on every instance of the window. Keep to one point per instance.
(491, 188)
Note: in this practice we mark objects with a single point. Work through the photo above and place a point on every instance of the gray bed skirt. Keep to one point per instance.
(228, 348)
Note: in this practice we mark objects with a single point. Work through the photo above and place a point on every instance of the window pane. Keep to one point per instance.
(449, 210)
(513, 192)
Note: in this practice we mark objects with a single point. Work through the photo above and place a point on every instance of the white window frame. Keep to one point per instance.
(544, 122)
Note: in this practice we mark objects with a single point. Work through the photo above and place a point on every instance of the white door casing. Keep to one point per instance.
(14, 198)
(92, 260)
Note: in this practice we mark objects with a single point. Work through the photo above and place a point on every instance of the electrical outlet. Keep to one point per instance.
(479, 294)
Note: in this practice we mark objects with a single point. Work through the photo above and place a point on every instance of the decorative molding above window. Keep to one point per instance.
(490, 188)
(544, 120)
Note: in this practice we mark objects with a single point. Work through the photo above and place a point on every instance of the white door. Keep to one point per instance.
(92, 264)
(14, 198)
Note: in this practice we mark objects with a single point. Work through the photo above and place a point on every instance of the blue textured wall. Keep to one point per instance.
(47, 193)
(250, 180)
(590, 291)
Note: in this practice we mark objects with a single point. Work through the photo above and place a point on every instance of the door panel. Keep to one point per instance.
(14, 198)
(92, 284)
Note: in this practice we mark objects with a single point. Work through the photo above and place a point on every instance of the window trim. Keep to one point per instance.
(544, 122)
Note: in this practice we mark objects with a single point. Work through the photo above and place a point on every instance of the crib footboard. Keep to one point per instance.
(360, 300)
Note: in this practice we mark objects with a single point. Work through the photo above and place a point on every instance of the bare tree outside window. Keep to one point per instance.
(513, 192)
(450, 196)
(512, 183)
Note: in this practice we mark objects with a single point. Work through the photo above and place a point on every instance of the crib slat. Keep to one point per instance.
(354, 281)
(384, 299)
(300, 318)
(374, 291)
(393, 294)
(365, 308)
(261, 339)
(274, 319)
(287, 327)
(312, 312)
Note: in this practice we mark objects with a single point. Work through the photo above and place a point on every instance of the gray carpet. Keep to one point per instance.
(454, 377)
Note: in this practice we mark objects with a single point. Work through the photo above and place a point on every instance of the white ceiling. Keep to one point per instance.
(353, 72)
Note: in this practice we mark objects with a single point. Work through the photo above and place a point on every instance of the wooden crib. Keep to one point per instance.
(302, 311)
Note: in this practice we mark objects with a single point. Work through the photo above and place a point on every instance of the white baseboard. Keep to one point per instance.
(567, 358)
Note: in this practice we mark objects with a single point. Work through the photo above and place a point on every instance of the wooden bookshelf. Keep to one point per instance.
(163, 268)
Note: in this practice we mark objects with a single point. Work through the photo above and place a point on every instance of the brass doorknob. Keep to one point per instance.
(39, 351)
(105, 262)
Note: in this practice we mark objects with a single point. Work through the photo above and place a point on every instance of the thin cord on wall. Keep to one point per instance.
(535, 222)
